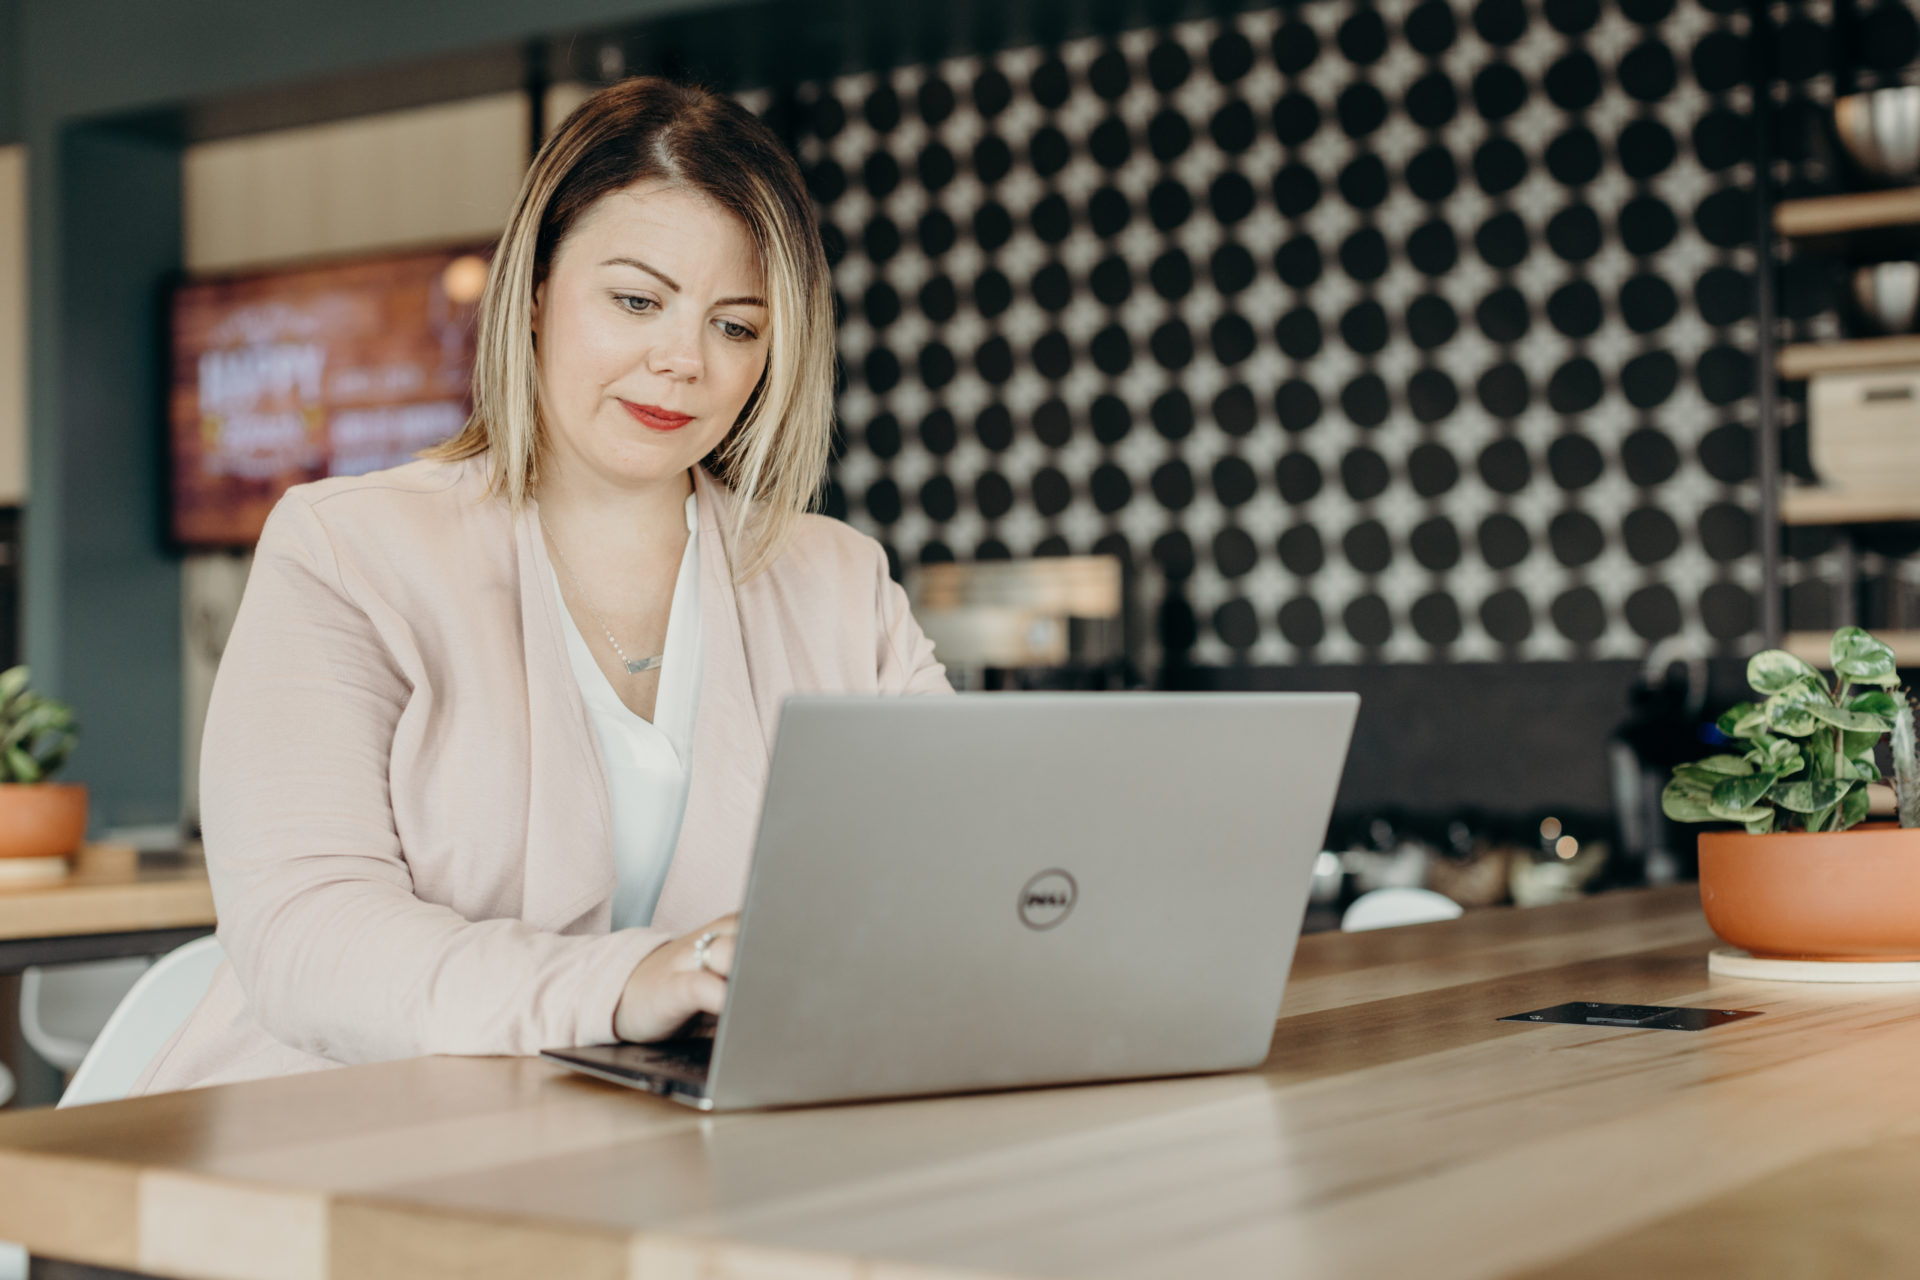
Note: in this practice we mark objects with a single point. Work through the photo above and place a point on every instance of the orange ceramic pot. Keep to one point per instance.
(1828, 895)
(42, 819)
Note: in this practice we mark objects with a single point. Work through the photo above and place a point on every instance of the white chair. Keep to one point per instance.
(160, 999)
(152, 1011)
(1390, 908)
(63, 1006)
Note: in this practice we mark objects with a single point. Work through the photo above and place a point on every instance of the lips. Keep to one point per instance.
(654, 418)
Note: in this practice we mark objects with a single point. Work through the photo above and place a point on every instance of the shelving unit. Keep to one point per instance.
(1854, 228)
(1822, 506)
(1854, 213)
(1815, 647)
(1804, 359)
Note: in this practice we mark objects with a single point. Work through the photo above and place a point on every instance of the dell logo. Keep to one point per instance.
(1047, 898)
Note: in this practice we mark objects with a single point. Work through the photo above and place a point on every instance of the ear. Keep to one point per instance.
(539, 297)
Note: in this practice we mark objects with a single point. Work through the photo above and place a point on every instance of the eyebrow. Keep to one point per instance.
(743, 301)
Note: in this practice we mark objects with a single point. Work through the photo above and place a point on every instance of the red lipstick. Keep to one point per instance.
(655, 418)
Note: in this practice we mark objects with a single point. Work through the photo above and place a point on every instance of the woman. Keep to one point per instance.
(484, 758)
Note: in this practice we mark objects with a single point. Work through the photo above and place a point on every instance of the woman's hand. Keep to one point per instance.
(669, 986)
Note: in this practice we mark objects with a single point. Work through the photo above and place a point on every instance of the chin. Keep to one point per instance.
(647, 462)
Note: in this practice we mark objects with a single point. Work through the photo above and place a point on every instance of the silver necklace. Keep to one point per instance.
(634, 665)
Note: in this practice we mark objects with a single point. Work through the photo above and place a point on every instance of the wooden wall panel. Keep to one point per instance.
(430, 175)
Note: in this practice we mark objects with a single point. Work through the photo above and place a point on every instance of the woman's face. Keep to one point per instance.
(651, 333)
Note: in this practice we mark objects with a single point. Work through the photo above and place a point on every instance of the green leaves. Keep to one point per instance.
(1789, 714)
(1860, 659)
(1776, 671)
(36, 734)
(1807, 747)
(1779, 755)
(1811, 796)
(22, 766)
(1685, 804)
(1742, 794)
(1846, 718)
(1853, 810)
(1876, 702)
(1721, 767)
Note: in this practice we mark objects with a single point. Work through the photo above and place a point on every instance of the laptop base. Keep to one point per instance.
(674, 1069)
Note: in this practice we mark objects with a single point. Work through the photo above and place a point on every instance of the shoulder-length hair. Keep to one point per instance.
(775, 457)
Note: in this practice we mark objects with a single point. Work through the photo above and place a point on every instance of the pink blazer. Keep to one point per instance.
(406, 817)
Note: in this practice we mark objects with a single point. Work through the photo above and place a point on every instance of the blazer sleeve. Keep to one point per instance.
(316, 906)
(907, 664)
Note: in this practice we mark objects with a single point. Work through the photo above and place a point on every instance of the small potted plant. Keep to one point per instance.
(1803, 878)
(38, 818)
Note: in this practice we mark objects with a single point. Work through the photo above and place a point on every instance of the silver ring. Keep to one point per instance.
(700, 946)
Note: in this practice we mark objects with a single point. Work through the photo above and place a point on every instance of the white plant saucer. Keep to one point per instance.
(1731, 963)
(33, 870)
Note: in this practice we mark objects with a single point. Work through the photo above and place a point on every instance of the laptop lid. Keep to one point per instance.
(996, 890)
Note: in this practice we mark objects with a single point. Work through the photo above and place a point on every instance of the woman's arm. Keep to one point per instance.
(316, 904)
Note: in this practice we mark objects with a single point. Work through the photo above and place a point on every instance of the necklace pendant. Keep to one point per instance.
(637, 665)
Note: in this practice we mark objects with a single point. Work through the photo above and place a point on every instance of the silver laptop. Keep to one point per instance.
(992, 891)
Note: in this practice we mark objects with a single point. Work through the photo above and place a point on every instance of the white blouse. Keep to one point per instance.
(648, 764)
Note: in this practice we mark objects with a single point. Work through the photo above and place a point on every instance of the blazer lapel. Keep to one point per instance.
(732, 742)
(569, 860)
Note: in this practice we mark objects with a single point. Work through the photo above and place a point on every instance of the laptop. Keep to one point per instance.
(1003, 890)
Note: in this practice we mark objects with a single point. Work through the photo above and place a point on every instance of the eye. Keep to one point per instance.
(735, 330)
(635, 303)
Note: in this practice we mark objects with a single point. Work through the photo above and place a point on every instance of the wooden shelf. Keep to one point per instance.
(1841, 215)
(1848, 506)
(1816, 647)
(1804, 359)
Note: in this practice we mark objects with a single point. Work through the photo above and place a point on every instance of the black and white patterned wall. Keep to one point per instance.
(1371, 332)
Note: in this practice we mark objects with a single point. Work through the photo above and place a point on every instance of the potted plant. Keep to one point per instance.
(1805, 877)
(38, 818)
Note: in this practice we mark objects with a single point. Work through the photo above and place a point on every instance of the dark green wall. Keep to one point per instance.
(12, 91)
(103, 625)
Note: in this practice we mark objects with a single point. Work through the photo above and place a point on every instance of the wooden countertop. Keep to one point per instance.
(110, 890)
(1396, 1129)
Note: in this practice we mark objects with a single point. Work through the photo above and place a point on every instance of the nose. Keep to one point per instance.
(676, 355)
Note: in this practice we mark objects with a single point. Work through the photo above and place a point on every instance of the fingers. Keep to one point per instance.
(719, 955)
(670, 985)
(661, 1006)
(702, 993)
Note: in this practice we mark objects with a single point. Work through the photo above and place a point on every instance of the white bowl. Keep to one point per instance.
(1881, 130)
(1889, 294)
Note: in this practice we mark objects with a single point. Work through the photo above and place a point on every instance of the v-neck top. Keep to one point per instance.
(648, 764)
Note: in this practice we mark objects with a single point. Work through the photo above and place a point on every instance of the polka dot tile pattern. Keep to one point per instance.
(1410, 331)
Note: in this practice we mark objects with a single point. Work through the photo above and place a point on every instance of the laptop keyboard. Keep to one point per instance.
(690, 1054)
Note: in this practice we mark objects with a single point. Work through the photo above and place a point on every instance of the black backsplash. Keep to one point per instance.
(1402, 333)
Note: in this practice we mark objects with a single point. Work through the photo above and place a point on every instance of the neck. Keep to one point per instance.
(590, 509)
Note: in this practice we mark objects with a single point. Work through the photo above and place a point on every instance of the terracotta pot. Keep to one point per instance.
(1829, 895)
(42, 819)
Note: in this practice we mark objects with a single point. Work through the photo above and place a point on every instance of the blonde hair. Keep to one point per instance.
(775, 457)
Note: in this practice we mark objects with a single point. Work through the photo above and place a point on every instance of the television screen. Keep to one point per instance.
(280, 377)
